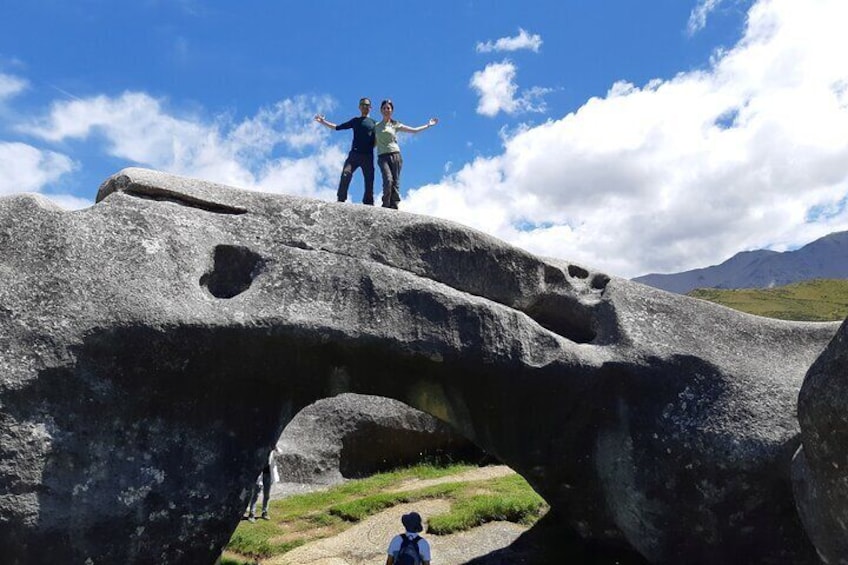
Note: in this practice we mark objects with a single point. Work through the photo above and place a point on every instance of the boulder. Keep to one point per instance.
(820, 468)
(353, 435)
(155, 345)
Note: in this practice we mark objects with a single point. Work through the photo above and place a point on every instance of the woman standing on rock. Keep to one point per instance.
(388, 151)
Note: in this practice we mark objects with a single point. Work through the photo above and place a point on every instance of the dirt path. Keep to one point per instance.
(365, 543)
(480, 474)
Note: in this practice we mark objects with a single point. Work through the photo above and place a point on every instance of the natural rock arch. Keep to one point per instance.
(155, 344)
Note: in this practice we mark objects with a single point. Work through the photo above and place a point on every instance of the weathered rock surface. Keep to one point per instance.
(355, 435)
(820, 469)
(153, 347)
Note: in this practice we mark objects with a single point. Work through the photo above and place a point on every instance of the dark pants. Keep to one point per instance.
(263, 481)
(390, 166)
(353, 162)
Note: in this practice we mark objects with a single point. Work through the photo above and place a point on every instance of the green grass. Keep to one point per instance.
(359, 509)
(304, 505)
(817, 300)
(230, 559)
(510, 500)
(257, 540)
(302, 518)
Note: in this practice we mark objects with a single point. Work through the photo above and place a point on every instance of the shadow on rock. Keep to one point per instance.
(547, 543)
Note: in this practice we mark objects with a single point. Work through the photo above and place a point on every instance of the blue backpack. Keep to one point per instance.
(408, 554)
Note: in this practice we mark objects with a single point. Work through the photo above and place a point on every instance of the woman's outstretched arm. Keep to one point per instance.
(428, 125)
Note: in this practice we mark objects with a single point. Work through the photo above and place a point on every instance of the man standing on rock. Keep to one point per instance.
(409, 548)
(361, 151)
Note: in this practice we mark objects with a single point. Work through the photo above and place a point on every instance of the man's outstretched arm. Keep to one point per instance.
(324, 122)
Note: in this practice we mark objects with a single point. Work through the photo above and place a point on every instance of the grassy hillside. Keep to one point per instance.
(816, 300)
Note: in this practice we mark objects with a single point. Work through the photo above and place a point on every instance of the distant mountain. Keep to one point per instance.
(825, 258)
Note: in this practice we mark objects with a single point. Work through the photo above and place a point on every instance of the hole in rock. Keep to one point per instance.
(600, 282)
(563, 316)
(355, 436)
(577, 272)
(233, 271)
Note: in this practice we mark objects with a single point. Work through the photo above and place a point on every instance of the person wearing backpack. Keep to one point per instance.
(409, 548)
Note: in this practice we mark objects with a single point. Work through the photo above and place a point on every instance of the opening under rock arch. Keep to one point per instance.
(354, 436)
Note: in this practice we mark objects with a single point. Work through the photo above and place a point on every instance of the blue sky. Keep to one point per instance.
(628, 136)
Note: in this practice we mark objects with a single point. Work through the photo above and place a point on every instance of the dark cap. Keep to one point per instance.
(412, 522)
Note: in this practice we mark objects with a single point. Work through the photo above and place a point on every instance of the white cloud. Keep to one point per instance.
(11, 85)
(523, 40)
(280, 149)
(70, 202)
(698, 16)
(24, 168)
(498, 92)
(315, 175)
(678, 173)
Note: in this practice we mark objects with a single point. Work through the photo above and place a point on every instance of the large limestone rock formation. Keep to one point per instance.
(153, 347)
(820, 467)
